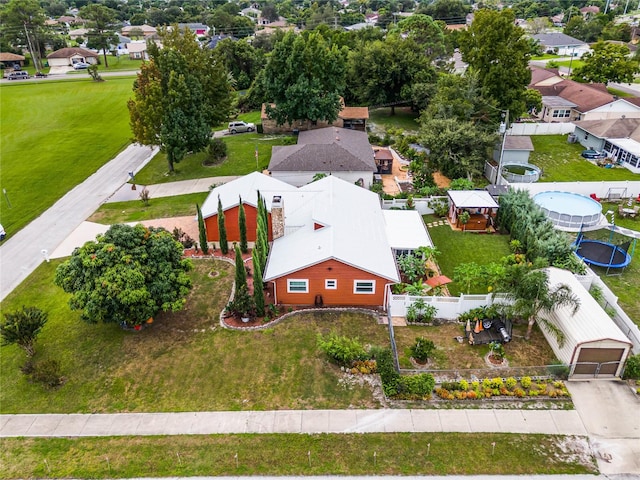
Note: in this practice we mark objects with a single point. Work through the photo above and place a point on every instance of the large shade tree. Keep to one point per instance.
(102, 27)
(22, 25)
(178, 96)
(126, 276)
(304, 79)
(498, 53)
(606, 62)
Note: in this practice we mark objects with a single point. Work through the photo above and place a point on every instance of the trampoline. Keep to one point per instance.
(603, 254)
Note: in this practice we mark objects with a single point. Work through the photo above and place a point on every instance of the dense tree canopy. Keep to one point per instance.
(102, 27)
(126, 276)
(607, 62)
(22, 23)
(497, 51)
(304, 78)
(178, 96)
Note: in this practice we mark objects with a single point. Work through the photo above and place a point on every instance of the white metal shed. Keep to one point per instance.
(593, 344)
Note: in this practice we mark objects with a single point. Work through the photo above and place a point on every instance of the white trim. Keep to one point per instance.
(373, 287)
(328, 286)
(303, 280)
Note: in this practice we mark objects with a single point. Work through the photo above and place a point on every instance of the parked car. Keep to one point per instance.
(18, 76)
(80, 66)
(40, 75)
(240, 127)
(593, 154)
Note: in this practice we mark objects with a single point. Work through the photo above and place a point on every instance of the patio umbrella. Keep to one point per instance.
(438, 281)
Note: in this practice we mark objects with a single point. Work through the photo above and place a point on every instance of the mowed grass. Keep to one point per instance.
(136, 211)
(54, 135)
(185, 361)
(561, 162)
(458, 247)
(241, 159)
(381, 119)
(295, 455)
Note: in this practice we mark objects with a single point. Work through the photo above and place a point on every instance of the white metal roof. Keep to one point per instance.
(405, 230)
(353, 230)
(627, 144)
(590, 323)
(472, 199)
(246, 186)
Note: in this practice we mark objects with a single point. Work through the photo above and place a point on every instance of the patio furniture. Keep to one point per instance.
(597, 199)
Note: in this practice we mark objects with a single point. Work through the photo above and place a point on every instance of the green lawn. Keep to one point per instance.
(240, 160)
(185, 361)
(380, 119)
(561, 162)
(465, 247)
(249, 117)
(136, 211)
(293, 455)
(53, 136)
(573, 64)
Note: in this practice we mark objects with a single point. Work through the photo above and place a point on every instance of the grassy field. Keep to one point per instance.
(240, 160)
(294, 455)
(380, 119)
(464, 247)
(185, 362)
(561, 162)
(54, 135)
(136, 211)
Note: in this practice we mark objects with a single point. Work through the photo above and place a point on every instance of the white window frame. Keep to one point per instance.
(331, 284)
(371, 282)
(292, 280)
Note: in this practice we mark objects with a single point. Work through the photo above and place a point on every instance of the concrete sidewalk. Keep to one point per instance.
(171, 189)
(556, 422)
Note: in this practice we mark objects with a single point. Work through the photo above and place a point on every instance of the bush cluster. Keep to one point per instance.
(46, 372)
(632, 367)
(495, 387)
(341, 349)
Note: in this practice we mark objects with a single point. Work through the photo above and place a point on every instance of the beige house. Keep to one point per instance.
(67, 57)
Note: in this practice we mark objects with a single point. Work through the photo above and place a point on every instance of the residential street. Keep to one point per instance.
(21, 253)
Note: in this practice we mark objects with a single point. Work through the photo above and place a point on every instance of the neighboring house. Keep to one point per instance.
(200, 29)
(251, 12)
(67, 57)
(78, 33)
(147, 30)
(589, 11)
(349, 117)
(138, 50)
(123, 45)
(561, 44)
(10, 59)
(480, 205)
(620, 138)
(213, 43)
(344, 153)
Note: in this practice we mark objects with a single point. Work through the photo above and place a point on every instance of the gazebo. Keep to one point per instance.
(480, 205)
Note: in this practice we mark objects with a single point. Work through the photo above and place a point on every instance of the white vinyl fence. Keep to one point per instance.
(448, 308)
(541, 128)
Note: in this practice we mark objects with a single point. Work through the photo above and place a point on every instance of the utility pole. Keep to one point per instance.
(30, 47)
(504, 138)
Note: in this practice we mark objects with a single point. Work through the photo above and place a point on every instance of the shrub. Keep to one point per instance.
(464, 385)
(47, 373)
(422, 349)
(511, 382)
(472, 395)
(364, 367)
(632, 367)
(439, 206)
(388, 374)
(475, 385)
(442, 393)
(420, 385)
(216, 151)
(451, 385)
(486, 383)
(560, 370)
(342, 350)
(525, 382)
(518, 392)
(182, 237)
(496, 382)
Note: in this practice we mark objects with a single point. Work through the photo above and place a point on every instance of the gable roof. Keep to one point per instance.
(247, 187)
(557, 39)
(328, 149)
(10, 57)
(547, 75)
(612, 128)
(71, 51)
(353, 230)
(518, 142)
(351, 113)
(472, 199)
(585, 96)
(137, 47)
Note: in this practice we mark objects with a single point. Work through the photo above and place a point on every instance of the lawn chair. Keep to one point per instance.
(597, 199)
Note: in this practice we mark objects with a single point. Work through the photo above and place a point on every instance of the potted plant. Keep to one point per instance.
(242, 305)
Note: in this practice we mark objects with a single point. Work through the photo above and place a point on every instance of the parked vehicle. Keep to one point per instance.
(80, 66)
(18, 76)
(40, 75)
(2, 233)
(241, 127)
(17, 67)
(593, 154)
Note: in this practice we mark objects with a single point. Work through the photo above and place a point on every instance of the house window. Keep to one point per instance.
(297, 286)
(330, 284)
(561, 113)
(364, 286)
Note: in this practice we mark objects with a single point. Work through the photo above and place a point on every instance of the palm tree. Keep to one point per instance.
(528, 287)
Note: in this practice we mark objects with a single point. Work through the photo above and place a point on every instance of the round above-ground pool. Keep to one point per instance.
(569, 210)
(520, 172)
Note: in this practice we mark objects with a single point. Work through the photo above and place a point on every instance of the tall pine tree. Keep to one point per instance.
(241, 272)
(203, 231)
(222, 229)
(258, 294)
(242, 226)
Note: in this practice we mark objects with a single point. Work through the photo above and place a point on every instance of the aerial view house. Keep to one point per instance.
(480, 205)
(344, 153)
(620, 138)
(10, 59)
(561, 44)
(146, 30)
(349, 117)
(67, 57)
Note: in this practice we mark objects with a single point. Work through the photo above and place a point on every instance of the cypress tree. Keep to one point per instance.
(242, 226)
(222, 229)
(258, 294)
(203, 231)
(263, 245)
(241, 273)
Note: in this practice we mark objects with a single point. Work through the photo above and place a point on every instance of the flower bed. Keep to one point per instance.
(498, 387)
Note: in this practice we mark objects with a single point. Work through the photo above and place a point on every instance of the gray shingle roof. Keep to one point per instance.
(557, 40)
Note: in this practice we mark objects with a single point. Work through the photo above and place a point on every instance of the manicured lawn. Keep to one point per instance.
(620, 93)
(240, 160)
(54, 135)
(294, 455)
(561, 162)
(465, 247)
(249, 117)
(136, 211)
(185, 361)
(380, 119)
(575, 63)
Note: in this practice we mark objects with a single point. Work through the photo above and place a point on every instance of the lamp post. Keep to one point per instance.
(503, 130)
